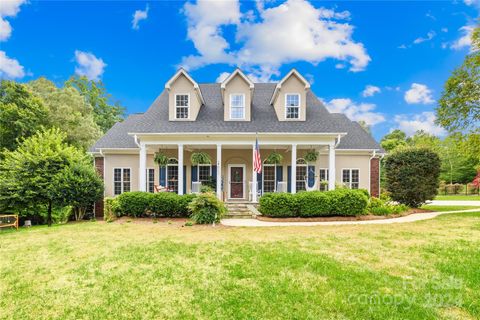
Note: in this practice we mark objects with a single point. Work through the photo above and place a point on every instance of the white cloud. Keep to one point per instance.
(222, 76)
(402, 46)
(370, 91)
(465, 40)
(445, 30)
(205, 19)
(419, 93)
(88, 65)
(424, 121)
(277, 37)
(10, 68)
(138, 16)
(9, 8)
(340, 66)
(354, 111)
(430, 36)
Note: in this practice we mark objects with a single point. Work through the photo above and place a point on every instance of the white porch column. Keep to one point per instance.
(254, 177)
(293, 174)
(219, 171)
(180, 169)
(142, 174)
(331, 166)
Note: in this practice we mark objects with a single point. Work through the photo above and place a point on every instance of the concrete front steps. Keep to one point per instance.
(239, 210)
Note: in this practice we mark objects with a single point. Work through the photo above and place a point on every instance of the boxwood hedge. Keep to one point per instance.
(339, 202)
(162, 204)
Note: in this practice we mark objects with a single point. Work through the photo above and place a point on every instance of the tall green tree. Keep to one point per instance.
(394, 139)
(69, 111)
(40, 172)
(22, 113)
(106, 114)
(459, 106)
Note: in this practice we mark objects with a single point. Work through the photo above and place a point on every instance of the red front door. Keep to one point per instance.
(236, 182)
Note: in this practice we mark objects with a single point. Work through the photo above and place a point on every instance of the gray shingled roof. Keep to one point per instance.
(211, 119)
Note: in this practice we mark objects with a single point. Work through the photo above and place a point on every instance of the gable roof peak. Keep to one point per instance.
(182, 71)
(232, 75)
(294, 71)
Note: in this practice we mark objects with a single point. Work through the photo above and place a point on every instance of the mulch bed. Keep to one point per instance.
(174, 222)
(341, 218)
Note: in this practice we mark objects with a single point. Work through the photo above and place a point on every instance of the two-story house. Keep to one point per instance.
(224, 120)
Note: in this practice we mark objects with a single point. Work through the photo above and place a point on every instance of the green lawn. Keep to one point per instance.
(458, 197)
(422, 270)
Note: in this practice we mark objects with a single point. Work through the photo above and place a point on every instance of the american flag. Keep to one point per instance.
(257, 162)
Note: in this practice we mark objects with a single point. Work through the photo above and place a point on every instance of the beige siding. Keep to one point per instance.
(237, 85)
(292, 85)
(183, 86)
(229, 157)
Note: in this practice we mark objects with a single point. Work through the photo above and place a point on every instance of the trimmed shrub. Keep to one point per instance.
(346, 202)
(207, 208)
(278, 205)
(314, 204)
(412, 175)
(342, 202)
(162, 204)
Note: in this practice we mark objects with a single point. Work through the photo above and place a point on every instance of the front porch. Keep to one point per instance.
(231, 172)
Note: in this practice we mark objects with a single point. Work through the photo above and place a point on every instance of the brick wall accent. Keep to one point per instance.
(375, 177)
(99, 161)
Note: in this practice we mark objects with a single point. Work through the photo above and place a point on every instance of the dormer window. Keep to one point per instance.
(292, 106)
(182, 105)
(237, 106)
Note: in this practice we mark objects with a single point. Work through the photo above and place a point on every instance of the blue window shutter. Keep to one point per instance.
(184, 180)
(214, 176)
(259, 182)
(279, 175)
(194, 173)
(289, 178)
(311, 176)
(163, 176)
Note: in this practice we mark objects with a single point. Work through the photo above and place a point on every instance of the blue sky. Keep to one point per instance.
(401, 52)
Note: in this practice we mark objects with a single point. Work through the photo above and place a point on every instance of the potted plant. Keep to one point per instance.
(200, 158)
(274, 158)
(160, 159)
(311, 156)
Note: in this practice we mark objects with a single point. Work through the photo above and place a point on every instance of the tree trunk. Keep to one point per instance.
(49, 216)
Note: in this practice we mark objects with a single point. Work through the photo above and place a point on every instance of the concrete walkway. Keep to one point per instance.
(409, 218)
(473, 203)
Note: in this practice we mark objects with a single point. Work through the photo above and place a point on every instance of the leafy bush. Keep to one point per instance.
(111, 209)
(163, 204)
(207, 208)
(344, 202)
(315, 203)
(135, 204)
(381, 207)
(348, 202)
(278, 205)
(412, 175)
(206, 189)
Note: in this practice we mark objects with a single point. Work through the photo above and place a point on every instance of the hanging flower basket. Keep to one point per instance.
(311, 156)
(160, 159)
(274, 158)
(200, 158)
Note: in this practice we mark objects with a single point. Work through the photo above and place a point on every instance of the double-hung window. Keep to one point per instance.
(150, 180)
(237, 106)
(182, 105)
(121, 180)
(301, 174)
(269, 177)
(351, 178)
(204, 173)
(292, 106)
(323, 179)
